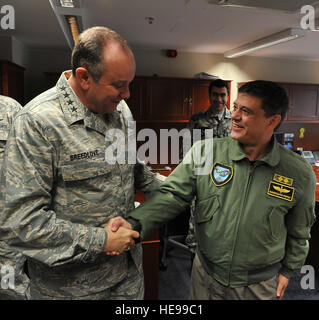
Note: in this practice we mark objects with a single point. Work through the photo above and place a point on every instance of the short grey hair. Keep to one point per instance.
(88, 50)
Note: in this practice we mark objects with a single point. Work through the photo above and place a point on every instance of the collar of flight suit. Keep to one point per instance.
(237, 153)
(74, 110)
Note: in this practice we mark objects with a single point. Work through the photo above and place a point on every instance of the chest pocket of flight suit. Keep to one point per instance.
(205, 209)
(206, 229)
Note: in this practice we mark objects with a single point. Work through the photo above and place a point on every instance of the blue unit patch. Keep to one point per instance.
(221, 174)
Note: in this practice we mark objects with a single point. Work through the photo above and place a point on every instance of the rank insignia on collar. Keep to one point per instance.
(282, 179)
(280, 191)
(221, 174)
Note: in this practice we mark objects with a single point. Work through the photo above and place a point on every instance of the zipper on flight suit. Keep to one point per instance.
(251, 169)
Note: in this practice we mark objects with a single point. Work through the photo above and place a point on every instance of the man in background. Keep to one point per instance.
(217, 118)
(58, 189)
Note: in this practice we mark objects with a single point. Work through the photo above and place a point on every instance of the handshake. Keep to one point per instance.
(120, 236)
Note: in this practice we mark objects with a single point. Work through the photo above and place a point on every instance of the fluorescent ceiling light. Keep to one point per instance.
(280, 37)
(69, 18)
(67, 3)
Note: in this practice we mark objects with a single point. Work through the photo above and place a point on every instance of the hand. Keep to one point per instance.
(282, 285)
(114, 224)
(117, 222)
(119, 241)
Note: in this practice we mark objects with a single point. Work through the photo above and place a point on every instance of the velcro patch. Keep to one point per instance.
(221, 174)
(280, 191)
(282, 179)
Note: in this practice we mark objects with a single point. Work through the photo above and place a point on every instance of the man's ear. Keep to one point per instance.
(274, 121)
(84, 78)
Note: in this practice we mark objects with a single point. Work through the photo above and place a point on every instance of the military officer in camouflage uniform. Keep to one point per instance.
(216, 117)
(59, 191)
(8, 110)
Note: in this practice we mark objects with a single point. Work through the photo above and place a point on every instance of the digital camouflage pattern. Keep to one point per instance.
(8, 110)
(221, 128)
(59, 193)
(208, 120)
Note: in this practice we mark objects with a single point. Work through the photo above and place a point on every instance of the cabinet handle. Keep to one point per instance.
(190, 102)
(185, 100)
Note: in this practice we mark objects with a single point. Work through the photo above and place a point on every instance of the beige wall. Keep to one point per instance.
(40, 60)
(150, 62)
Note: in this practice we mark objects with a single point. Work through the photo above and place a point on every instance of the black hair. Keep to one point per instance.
(274, 99)
(219, 83)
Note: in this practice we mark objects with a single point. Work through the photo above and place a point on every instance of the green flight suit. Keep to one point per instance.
(251, 219)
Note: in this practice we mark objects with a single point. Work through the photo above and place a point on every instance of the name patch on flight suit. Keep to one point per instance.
(281, 190)
(221, 174)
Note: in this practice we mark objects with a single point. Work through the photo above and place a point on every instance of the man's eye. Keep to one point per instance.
(118, 85)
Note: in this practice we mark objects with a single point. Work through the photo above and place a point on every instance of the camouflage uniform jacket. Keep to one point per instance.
(59, 192)
(8, 110)
(208, 120)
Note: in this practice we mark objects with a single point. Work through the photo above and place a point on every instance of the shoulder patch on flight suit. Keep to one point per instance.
(221, 174)
(282, 179)
(280, 191)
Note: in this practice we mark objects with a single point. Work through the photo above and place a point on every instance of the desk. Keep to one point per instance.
(313, 255)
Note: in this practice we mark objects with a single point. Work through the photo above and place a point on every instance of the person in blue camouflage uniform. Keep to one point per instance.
(8, 110)
(59, 192)
(216, 117)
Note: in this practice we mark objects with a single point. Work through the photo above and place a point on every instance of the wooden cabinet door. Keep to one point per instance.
(168, 99)
(12, 81)
(304, 102)
(137, 99)
(286, 86)
(201, 96)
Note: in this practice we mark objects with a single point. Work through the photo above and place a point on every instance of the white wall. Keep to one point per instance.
(19, 52)
(150, 62)
(41, 60)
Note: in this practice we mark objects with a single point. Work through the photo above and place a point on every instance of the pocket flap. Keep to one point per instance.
(205, 209)
(88, 170)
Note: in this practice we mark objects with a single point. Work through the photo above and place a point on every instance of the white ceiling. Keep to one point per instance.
(184, 25)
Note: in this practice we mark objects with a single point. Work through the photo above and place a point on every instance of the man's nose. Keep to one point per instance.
(235, 114)
(125, 93)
